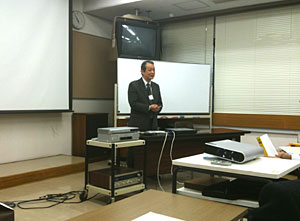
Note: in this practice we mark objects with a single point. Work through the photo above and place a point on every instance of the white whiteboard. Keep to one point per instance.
(185, 88)
(34, 51)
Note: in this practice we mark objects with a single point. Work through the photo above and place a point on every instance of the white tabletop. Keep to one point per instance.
(266, 167)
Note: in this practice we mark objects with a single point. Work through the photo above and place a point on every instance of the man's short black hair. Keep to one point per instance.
(143, 66)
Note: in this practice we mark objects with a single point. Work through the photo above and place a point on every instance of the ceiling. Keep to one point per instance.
(163, 10)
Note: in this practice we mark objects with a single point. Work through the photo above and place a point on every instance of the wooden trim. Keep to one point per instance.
(284, 122)
(18, 179)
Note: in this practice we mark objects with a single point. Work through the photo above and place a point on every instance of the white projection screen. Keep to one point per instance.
(185, 88)
(34, 51)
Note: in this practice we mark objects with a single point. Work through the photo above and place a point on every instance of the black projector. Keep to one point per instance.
(233, 151)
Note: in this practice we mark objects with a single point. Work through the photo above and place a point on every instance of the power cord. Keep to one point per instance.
(171, 158)
(159, 159)
(171, 155)
(171, 152)
(55, 199)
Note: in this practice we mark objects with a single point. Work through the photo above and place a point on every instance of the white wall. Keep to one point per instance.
(30, 136)
(278, 139)
(93, 25)
(95, 106)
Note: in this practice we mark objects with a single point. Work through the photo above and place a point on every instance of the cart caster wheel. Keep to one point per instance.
(83, 196)
(111, 200)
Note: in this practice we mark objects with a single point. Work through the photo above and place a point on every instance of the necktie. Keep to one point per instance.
(148, 89)
(149, 92)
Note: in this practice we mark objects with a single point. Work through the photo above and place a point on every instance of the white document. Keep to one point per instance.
(150, 216)
(291, 150)
(269, 147)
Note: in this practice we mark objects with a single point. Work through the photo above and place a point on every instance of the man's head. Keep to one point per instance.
(148, 70)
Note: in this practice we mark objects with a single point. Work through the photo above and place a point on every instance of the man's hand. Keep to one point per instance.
(154, 107)
(284, 155)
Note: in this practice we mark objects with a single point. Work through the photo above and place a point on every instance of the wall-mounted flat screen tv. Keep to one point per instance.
(138, 39)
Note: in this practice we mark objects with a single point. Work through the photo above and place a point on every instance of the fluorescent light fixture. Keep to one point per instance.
(92, 5)
(128, 1)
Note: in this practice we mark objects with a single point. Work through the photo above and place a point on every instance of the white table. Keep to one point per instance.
(262, 168)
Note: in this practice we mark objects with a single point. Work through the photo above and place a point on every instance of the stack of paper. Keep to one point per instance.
(265, 142)
(150, 216)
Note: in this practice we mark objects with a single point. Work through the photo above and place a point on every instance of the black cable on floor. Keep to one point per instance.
(55, 199)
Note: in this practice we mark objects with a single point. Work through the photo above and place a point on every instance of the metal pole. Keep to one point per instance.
(115, 104)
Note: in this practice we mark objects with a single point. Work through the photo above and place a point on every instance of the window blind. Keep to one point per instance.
(188, 41)
(257, 68)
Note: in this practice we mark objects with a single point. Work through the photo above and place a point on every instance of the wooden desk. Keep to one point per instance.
(184, 145)
(262, 168)
(173, 205)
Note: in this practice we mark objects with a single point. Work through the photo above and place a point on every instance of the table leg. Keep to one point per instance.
(145, 166)
(86, 166)
(118, 159)
(174, 179)
(113, 161)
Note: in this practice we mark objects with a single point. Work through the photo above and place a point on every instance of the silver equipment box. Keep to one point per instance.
(233, 151)
(118, 134)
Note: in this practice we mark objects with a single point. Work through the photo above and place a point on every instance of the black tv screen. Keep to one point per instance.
(138, 39)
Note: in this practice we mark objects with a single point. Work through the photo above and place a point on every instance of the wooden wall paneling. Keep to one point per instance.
(94, 73)
(19, 179)
(284, 122)
(78, 135)
(84, 127)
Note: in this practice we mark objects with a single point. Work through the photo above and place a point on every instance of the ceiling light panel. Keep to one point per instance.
(223, 1)
(191, 5)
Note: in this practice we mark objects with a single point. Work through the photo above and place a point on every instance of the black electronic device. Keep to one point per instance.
(138, 39)
(6, 212)
(123, 177)
(235, 189)
(180, 130)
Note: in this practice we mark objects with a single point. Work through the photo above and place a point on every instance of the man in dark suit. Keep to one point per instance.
(144, 99)
(278, 201)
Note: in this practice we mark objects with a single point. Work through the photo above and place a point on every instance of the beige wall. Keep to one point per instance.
(29, 136)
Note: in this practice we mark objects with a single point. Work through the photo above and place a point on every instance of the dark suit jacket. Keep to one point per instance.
(140, 115)
(278, 201)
